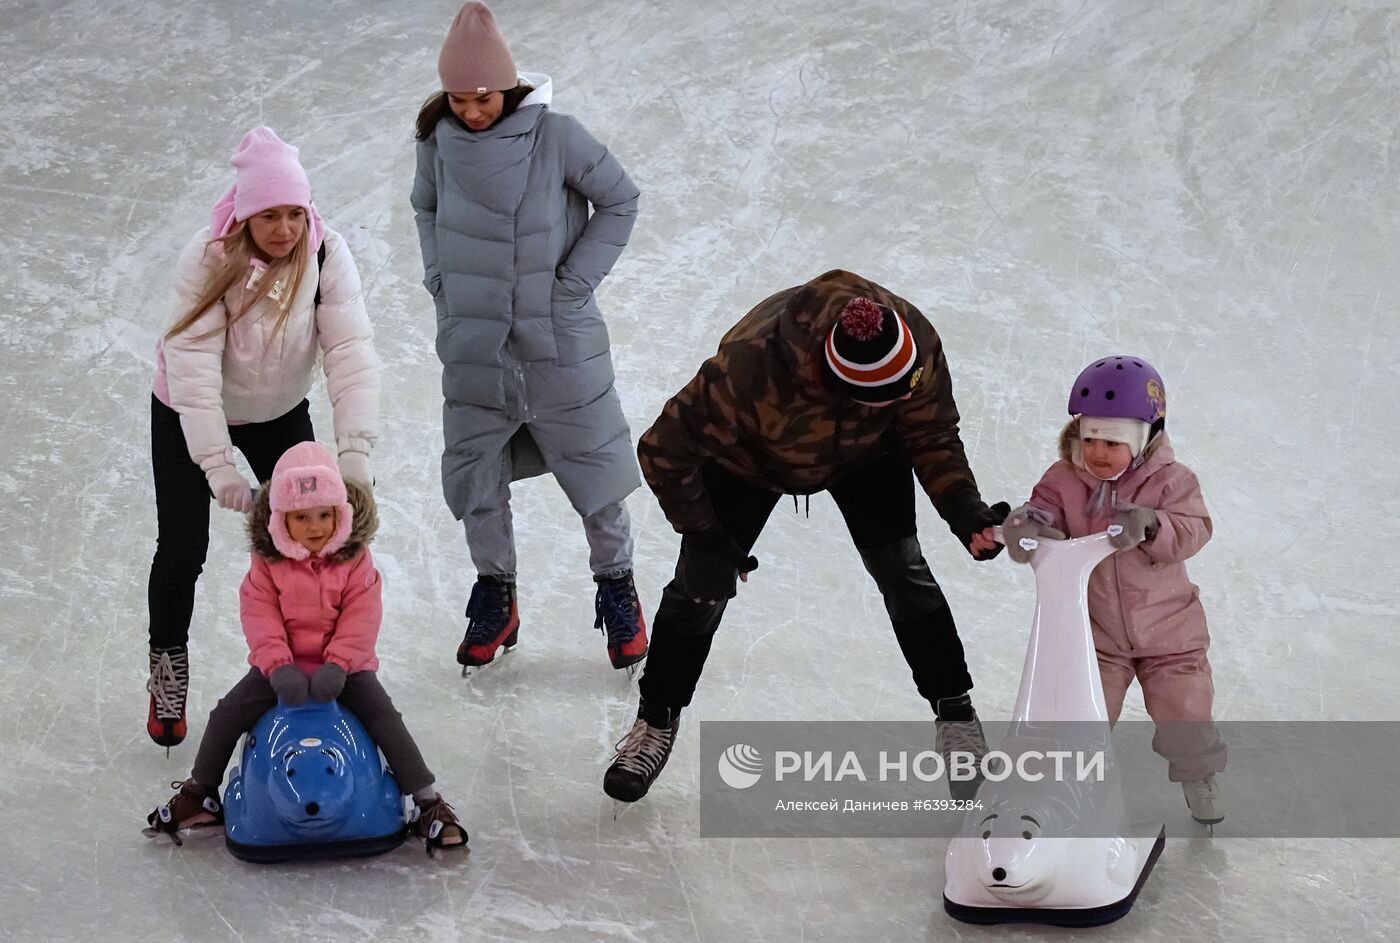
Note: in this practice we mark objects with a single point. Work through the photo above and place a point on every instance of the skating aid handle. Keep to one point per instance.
(1030, 543)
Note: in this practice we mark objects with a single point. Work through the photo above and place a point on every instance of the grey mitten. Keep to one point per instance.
(290, 684)
(1024, 522)
(327, 682)
(1138, 524)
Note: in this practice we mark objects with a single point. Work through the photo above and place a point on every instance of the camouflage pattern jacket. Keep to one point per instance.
(764, 409)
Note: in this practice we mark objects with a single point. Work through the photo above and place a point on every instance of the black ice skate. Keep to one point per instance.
(619, 617)
(493, 621)
(642, 753)
(169, 686)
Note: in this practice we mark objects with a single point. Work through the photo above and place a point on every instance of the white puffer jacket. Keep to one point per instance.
(244, 374)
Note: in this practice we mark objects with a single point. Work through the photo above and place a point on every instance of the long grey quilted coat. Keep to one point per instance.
(512, 257)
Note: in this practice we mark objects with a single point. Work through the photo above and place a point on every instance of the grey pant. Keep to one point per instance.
(238, 711)
(491, 539)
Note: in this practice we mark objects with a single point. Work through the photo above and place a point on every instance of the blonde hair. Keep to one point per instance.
(236, 250)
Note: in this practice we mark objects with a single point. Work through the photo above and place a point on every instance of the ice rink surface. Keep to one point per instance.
(1209, 185)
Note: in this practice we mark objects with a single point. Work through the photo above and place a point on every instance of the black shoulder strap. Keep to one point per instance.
(320, 264)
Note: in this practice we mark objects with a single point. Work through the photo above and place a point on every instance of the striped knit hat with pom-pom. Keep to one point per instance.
(872, 354)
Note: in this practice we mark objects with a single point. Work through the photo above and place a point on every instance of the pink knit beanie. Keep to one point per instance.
(269, 174)
(475, 57)
(306, 476)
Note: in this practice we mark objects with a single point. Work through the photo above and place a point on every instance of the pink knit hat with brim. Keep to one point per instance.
(306, 476)
(474, 57)
(269, 174)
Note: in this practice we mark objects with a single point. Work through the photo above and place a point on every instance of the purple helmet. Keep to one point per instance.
(1120, 387)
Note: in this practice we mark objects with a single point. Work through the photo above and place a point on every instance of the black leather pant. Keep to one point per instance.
(877, 503)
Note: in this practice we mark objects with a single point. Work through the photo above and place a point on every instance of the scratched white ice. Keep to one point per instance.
(1209, 185)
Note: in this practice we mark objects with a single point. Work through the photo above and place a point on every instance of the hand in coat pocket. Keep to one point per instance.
(569, 287)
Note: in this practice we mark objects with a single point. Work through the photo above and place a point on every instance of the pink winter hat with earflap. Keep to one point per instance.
(269, 174)
(307, 476)
(474, 57)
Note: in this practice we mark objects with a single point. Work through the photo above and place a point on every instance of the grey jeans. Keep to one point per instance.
(491, 539)
(238, 711)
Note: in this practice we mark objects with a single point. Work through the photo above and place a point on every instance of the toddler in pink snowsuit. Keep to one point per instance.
(311, 611)
(1117, 467)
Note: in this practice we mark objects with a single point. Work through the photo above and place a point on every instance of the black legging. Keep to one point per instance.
(238, 711)
(182, 508)
(877, 502)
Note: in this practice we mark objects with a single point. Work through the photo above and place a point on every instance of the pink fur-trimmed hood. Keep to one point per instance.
(364, 524)
(307, 476)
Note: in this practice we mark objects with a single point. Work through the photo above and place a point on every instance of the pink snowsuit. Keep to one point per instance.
(1146, 614)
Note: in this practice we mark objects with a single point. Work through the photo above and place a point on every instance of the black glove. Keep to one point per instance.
(711, 563)
(967, 516)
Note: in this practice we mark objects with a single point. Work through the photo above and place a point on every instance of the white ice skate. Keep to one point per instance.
(1055, 851)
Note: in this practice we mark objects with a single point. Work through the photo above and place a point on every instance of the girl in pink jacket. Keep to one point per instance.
(1117, 467)
(311, 611)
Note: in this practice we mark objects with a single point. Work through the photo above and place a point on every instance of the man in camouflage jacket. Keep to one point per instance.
(781, 409)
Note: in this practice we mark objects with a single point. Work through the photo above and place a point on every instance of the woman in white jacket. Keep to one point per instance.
(259, 293)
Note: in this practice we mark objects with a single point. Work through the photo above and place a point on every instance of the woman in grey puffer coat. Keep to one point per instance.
(512, 257)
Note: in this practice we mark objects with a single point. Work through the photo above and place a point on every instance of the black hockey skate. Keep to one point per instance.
(643, 753)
